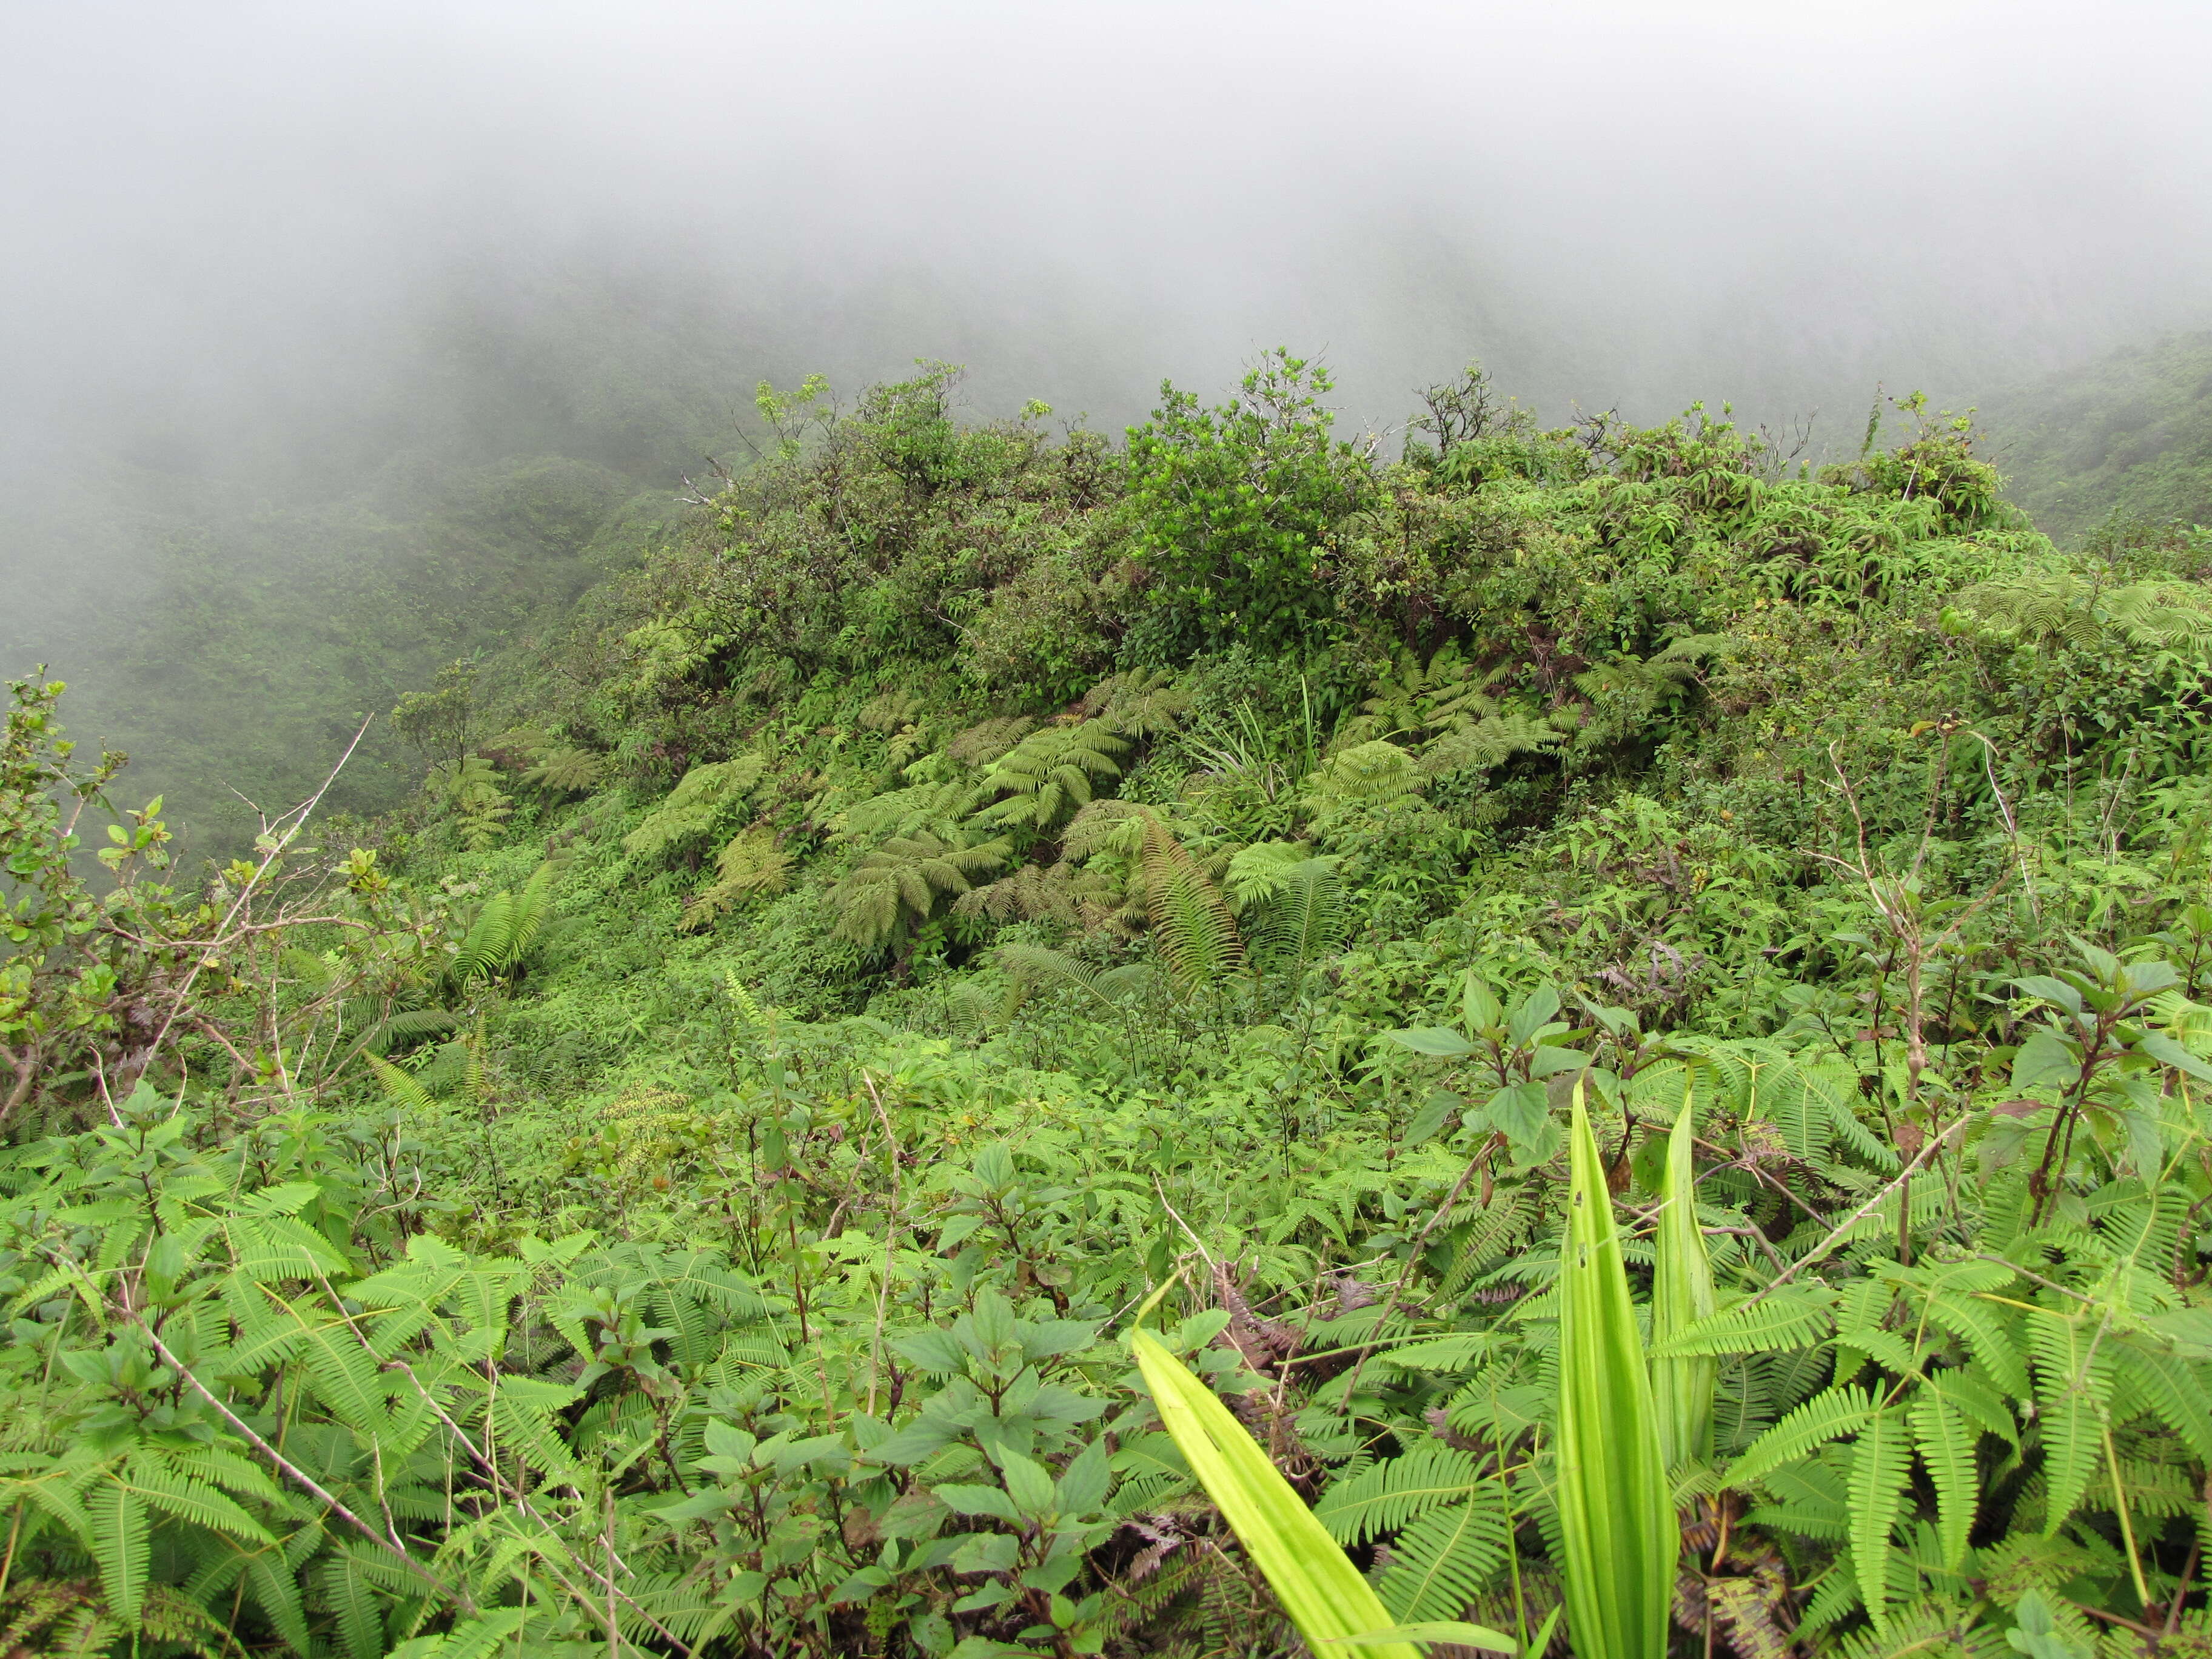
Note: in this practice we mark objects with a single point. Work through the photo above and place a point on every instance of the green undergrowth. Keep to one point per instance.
(689, 1182)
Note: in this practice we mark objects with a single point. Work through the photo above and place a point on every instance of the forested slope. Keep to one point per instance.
(691, 1181)
(2127, 438)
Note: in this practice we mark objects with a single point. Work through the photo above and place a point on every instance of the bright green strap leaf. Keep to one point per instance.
(1616, 1514)
(1681, 1295)
(1319, 1590)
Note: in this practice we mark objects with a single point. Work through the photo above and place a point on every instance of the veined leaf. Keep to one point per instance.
(1439, 1042)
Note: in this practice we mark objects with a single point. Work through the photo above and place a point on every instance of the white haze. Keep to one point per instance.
(269, 247)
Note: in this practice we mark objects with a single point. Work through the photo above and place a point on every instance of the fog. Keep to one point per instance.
(262, 258)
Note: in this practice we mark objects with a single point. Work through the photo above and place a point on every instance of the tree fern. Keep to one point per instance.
(1488, 742)
(901, 884)
(565, 769)
(1375, 771)
(695, 808)
(939, 808)
(1045, 779)
(749, 865)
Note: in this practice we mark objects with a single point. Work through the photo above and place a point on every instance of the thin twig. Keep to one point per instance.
(1851, 1220)
(300, 1477)
(1412, 1260)
(246, 892)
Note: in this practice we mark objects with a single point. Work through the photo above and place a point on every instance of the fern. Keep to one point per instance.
(120, 1538)
(902, 883)
(1303, 920)
(1825, 1417)
(1393, 1491)
(1880, 1470)
(2072, 1392)
(1045, 779)
(1486, 742)
(695, 808)
(1367, 772)
(1791, 1319)
(1946, 1448)
(1196, 932)
(565, 769)
(939, 809)
(1442, 1562)
(751, 866)
(504, 930)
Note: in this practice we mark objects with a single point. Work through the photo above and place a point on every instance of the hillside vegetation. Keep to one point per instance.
(2125, 441)
(1637, 1010)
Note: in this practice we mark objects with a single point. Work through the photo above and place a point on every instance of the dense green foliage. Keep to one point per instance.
(691, 1181)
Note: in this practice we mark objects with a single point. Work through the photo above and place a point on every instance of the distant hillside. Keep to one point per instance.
(2130, 434)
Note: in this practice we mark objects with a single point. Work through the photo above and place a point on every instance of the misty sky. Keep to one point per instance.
(230, 221)
(291, 295)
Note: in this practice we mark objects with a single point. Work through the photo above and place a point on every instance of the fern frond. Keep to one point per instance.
(1882, 1468)
(1305, 918)
(2072, 1388)
(399, 1088)
(1490, 741)
(1388, 1494)
(1192, 925)
(565, 769)
(1795, 1319)
(1442, 1562)
(1375, 771)
(1825, 1417)
(692, 810)
(1946, 1448)
(120, 1542)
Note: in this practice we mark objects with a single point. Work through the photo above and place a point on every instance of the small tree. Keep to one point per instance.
(1231, 501)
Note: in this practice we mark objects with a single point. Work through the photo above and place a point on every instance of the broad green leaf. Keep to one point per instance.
(2042, 1058)
(1435, 1041)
